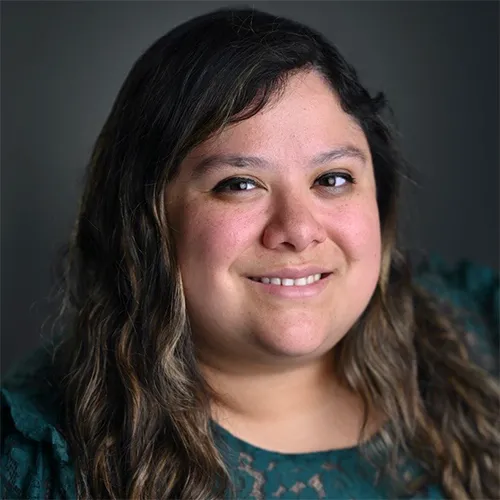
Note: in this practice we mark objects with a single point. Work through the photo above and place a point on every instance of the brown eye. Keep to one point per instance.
(235, 184)
(335, 180)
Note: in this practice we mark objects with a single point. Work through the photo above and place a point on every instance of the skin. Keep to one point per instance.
(256, 348)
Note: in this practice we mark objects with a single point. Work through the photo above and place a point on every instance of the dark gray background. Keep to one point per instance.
(63, 63)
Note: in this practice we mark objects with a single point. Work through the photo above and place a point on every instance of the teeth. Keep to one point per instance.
(307, 280)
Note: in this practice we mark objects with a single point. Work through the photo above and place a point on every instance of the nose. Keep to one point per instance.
(294, 225)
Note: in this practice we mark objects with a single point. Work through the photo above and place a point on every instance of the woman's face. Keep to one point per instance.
(287, 194)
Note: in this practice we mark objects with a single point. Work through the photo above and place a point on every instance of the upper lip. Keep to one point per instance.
(292, 272)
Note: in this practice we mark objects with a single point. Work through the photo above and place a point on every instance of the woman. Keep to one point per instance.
(238, 320)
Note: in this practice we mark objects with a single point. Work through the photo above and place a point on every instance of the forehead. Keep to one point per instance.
(303, 121)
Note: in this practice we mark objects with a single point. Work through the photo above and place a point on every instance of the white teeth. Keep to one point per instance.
(307, 280)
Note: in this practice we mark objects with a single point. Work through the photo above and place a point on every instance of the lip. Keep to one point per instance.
(294, 292)
(292, 272)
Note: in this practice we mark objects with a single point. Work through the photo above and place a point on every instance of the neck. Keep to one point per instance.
(264, 394)
(298, 409)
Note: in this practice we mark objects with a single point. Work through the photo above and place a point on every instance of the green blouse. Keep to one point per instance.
(36, 461)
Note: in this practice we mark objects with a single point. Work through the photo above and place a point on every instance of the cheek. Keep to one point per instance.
(212, 237)
(355, 227)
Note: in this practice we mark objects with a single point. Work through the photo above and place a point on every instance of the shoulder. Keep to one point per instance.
(35, 456)
(470, 293)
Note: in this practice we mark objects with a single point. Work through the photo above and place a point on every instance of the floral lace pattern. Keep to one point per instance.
(338, 474)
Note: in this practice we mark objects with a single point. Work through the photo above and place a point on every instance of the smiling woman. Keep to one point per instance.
(238, 320)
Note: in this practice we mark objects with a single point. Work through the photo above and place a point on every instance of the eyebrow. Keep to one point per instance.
(216, 162)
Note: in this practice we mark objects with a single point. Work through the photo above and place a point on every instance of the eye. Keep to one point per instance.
(335, 180)
(235, 184)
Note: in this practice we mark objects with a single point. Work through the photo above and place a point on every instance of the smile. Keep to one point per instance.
(302, 287)
(303, 281)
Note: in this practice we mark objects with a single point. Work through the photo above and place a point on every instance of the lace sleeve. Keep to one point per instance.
(26, 465)
(473, 293)
(35, 459)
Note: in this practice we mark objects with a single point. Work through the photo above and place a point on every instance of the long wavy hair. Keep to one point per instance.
(137, 410)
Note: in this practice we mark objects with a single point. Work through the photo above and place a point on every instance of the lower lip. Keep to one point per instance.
(294, 292)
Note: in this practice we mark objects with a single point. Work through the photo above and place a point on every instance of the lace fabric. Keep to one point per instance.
(337, 474)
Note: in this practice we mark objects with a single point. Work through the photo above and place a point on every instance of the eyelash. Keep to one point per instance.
(223, 186)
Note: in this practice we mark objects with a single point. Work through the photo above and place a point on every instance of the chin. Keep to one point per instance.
(296, 342)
